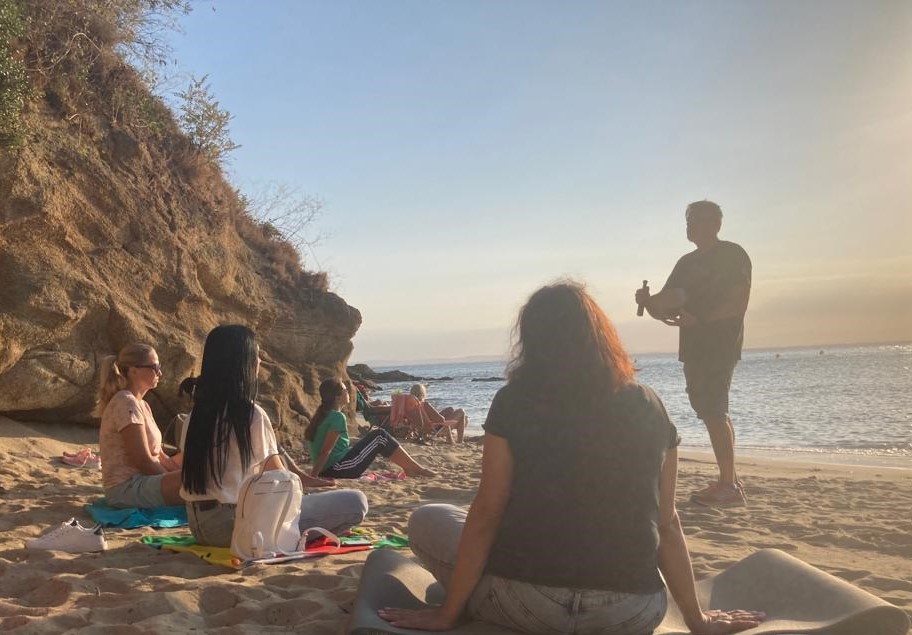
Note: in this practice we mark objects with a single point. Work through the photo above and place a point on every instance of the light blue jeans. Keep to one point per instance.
(212, 523)
(434, 532)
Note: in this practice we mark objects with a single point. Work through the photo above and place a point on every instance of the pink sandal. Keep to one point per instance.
(83, 458)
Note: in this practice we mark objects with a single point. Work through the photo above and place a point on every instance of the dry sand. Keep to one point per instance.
(851, 521)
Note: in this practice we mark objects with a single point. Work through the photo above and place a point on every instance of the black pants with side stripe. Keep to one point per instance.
(362, 454)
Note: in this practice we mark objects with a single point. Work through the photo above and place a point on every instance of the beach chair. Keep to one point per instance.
(376, 416)
(399, 424)
(409, 420)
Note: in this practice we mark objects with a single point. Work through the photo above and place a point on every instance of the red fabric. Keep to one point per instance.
(325, 546)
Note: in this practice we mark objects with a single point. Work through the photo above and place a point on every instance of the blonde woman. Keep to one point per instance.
(449, 417)
(135, 471)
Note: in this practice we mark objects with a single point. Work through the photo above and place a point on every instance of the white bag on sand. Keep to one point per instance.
(267, 515)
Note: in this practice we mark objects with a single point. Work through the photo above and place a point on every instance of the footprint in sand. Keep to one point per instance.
(782, 546)
(895, 600)
(323, 627)
(306, 581)
(7, 609)
(353, 571)
(18, 581)
(189, 571)
(53, 592)
(345, 597)
(9, 623)
(447, 494)
(215, 599)
(718, 537)
(285, 613)
(111, 609)
(883, 583)
(849, 575)
(112, 581)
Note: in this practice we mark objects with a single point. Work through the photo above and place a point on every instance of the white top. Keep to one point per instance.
(262, 446)
(124, 410)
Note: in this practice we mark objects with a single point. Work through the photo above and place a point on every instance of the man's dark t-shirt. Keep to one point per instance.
(584, 503)
(707, 277)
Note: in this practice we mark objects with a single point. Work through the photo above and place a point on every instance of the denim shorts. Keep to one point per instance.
(143, 491)
(535, 608)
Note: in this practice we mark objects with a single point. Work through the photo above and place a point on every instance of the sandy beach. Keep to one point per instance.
(849, 520)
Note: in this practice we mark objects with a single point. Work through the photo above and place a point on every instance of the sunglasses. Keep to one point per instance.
(155, 367)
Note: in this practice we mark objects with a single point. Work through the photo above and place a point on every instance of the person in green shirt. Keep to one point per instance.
(333, 454)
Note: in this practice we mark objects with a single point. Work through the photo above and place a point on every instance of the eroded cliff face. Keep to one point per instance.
(110, 239)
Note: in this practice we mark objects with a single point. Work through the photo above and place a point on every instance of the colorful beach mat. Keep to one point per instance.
(322, 546)
(133, 517)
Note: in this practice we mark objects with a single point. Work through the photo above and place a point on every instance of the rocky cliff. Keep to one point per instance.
(111, 232)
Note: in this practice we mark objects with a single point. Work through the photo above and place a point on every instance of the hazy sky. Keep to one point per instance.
(468, 152)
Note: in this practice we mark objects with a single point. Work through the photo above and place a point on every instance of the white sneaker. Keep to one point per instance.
(72, 537)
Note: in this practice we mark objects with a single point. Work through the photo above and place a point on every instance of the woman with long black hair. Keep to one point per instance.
(229, 437)
(574, 517)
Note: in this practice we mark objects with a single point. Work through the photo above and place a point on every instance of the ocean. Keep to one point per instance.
(848, 400)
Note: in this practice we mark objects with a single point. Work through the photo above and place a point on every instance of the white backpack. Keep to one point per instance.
(267, 515)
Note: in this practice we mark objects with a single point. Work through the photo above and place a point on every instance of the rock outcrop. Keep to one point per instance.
(108, 237)
(365, 374)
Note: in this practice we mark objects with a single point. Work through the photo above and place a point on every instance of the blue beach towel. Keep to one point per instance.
(132, 517)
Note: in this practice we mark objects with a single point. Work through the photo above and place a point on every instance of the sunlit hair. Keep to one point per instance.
(704, 209)
(419, 391)
(223, 401)
(566, 349)
(330, 391)
(113, 376)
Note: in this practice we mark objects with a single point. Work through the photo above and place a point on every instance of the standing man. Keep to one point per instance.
(706, 296)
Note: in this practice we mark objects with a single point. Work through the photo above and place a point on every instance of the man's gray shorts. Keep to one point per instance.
(707, 388)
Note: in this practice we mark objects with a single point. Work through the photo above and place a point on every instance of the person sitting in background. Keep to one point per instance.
(375, 411)
(448, 417)
(229, 438)
(174, 432)
(571, 435)
(364, 397)
(135, 471)
(333, 455)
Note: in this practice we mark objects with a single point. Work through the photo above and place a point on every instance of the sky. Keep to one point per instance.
(469, 152)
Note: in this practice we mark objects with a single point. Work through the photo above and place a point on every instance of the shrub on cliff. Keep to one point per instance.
(114, 229)
(83, 56)
(204, 121)
(14, 85)
(94, 63)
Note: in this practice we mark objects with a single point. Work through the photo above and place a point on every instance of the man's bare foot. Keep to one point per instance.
(709, 488)
(421, 471)
(726, 495)
(717, 486)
